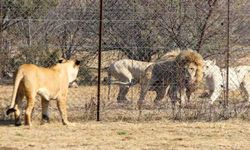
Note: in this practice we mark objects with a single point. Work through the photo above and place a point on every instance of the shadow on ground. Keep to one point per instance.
(6, 123)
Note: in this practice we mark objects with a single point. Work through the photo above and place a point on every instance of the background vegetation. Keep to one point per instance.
(41, 31)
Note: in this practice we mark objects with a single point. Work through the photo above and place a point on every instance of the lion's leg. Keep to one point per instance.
(182, 92)
(246, 88)
(126, 77)
(215, 94)
(45, 110)
(29, 108)
(248, 93)
(173, 91)
(189, 92)
(123, 90)
(61, 104)
(160, 93)
(19, 98)
(145, 84)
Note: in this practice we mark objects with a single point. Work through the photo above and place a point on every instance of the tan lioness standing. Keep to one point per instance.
(49, 83)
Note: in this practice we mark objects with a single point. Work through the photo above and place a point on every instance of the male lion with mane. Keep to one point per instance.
(49, 83)
(179, 73)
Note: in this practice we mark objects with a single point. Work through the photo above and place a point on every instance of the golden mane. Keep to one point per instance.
(191, 56)
(186, 56)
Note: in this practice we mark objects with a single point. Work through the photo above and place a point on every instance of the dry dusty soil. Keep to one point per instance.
(232, 134)
(116, 132)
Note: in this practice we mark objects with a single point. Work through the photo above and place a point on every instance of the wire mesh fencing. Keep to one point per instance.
(42, 32)
(145, 31)
(138, 37)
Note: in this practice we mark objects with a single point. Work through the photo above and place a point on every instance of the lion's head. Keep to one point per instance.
(72, 68)
(190, 63)
(209, 67)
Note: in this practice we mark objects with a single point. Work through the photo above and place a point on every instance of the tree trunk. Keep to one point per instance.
(204, 27)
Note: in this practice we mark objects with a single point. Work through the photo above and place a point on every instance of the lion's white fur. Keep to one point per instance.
(127, 72)
(242, 71)
(216, 79)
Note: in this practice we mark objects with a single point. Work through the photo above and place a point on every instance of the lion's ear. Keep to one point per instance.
(214, 61)
(61, 60)
(77, 62)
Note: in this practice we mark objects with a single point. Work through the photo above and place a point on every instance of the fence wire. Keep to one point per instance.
(143, 31)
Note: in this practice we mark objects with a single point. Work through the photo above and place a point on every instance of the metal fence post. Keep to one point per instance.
(227, 52)
(99, 63)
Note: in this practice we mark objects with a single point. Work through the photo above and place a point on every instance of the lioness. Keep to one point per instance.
(177, 74)
(127, 72)
(49, 83)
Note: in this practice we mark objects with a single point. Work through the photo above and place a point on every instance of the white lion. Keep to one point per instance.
(242, 71)
(127, 72)
(216, 79)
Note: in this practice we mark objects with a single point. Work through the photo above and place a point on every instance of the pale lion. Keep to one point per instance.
(216, 79)
(49, 83)
(242, 71)
(127, 72)
(178, 74)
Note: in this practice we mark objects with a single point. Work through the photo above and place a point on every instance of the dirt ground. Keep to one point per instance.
(233, 134)
(120, 127)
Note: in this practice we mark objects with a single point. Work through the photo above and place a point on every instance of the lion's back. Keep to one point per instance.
(136, 68)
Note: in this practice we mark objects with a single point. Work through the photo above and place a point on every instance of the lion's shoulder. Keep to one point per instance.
(171, 55)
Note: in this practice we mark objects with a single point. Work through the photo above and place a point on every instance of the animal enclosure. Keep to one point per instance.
(41, 32)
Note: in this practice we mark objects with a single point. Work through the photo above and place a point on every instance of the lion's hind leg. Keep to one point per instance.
(30, 105)
(248, 93)
(123, 91)
(45, 111)
(61, 104)
(146, 83)
(245, 86)
(173, 95)
(125, 77)
(160, 93)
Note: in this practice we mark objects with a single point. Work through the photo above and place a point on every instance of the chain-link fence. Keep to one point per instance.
(138, 34)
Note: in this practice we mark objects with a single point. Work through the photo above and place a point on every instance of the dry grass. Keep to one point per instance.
(232, 134)
(82, 107)
(124, 127)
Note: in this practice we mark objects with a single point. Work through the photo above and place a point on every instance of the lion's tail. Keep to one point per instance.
(19, 77)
